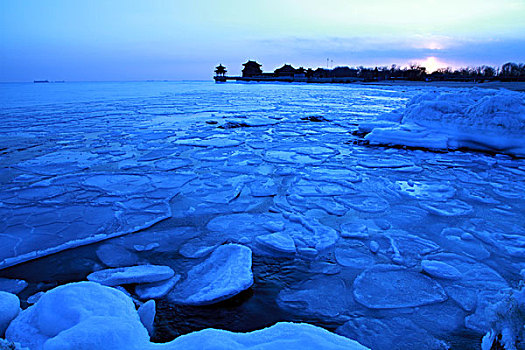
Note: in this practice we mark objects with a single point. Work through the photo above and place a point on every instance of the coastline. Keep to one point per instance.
(515, 86)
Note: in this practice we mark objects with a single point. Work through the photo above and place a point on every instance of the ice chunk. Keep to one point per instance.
(485, 120)
(113, 255)
(390, 334)
(156, 290)
(322, 297)
(147, 315)
(465, 243)
(69, 315)
(279, 241)
(217, 142)
(354, 230)
(227, 272)
(385, 163)
(440, 269)
(426, 191)
(12, 285)
(131, 274)
(390, 286)
(9, 309)
(453, 207)
(364, 203)
(357, 257)
(197, 248)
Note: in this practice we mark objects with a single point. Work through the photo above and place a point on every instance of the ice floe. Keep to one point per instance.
(227, 272)
(394, 333)
(390, 286)
(131, 275)
(14, 286)
(156, 290)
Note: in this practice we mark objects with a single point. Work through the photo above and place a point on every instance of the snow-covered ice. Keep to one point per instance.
(86, 315)
(131, 275)
(227, 272)
(9, 309)
(476, 119)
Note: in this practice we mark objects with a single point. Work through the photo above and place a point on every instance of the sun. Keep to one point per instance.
(432, 64)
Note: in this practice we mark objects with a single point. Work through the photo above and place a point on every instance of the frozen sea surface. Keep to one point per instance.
(344, 235)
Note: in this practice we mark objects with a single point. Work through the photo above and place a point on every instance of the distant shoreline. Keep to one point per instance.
(511, 85)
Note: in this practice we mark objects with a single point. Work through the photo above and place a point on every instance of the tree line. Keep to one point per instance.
(508, 72)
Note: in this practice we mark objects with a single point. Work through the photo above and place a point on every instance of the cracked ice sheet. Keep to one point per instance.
(74, 210)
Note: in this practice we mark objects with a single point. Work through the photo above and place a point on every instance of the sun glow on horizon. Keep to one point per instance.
(432, 64)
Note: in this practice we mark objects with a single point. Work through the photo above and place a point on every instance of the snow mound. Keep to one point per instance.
(9, 309)
(73, 311)
(282, 335)
(87, 315)
(226, 273)
(481, 120)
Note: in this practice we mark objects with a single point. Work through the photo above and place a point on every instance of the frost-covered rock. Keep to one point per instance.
(227, 272)
(482, 120)
(131, 274)
(9, 309)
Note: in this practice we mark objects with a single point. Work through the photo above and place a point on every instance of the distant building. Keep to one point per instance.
(251, 68)
(285, 71)
(321, 73)
(344, 72)
(220, 70)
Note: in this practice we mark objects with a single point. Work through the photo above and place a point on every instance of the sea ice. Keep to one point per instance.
(326, 297)
(354, 230)
(227, 272)
(9, 309)
(277, 337)
(279, 241)
(390, 286)
(12, 285)
(131, 275)
(147, 315)
(75, 311)
(356, 257)
(453, 207)
(482, 120)
(156, 290)
(113, 255)
(390, 334)
(364, 203)
(440, 269)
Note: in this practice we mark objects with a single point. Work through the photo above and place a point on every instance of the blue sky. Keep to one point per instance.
(154, 39)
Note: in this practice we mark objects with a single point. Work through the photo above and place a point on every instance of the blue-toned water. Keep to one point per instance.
(409, 244)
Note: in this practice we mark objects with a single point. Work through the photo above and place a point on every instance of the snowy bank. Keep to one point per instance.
(87, 315)
(474, 119)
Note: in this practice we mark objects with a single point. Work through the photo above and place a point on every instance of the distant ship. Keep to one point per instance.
(40, 81)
